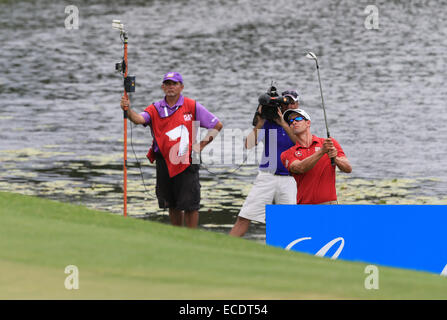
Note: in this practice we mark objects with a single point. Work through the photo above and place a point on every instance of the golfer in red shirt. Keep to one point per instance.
(309, 161)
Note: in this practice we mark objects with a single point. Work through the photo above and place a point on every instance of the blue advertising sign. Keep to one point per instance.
(405, 236)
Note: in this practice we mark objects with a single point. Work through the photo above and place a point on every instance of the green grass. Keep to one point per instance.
(126, 258)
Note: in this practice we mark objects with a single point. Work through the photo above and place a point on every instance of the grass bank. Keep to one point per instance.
(120, 258)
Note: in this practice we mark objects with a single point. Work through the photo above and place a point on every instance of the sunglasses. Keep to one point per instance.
(296, 119)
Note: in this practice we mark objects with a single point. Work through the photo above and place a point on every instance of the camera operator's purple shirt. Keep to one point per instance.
(282, 143)
(207, 119)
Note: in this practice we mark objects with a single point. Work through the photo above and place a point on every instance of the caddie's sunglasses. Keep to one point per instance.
(296, 119)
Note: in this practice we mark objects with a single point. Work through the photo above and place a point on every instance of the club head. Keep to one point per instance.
(117, 25)
(311, 55)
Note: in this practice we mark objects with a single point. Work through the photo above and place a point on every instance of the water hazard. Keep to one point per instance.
(61, 126)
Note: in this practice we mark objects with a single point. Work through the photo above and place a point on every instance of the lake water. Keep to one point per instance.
(384, 89)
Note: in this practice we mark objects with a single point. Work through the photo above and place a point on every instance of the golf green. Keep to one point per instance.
(127, 258)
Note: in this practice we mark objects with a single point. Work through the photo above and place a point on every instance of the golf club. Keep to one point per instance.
(311, 55)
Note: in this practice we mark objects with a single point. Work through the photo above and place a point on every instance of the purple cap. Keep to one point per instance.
(173, 76)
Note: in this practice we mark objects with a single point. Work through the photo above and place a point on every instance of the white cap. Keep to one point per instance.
(287, 113)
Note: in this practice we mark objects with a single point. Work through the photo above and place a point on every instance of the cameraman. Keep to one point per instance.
(273, 182)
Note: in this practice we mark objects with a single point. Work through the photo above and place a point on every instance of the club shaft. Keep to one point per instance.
(322, 99)
(324, 109)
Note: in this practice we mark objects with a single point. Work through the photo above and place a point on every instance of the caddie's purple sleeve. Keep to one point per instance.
(207, 119)
(146, 117)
